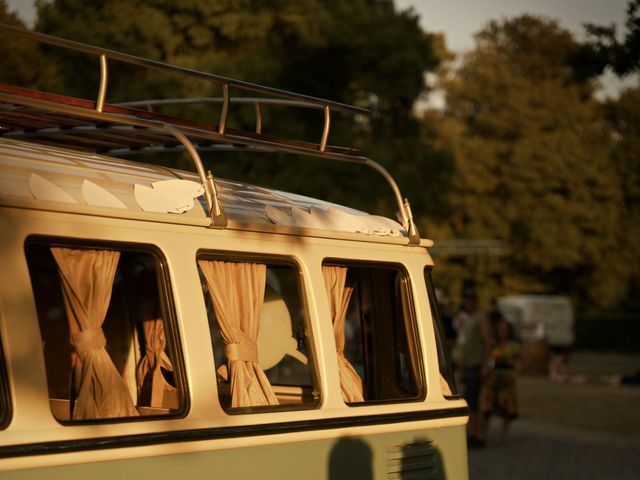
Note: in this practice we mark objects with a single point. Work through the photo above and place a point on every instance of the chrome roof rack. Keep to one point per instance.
(98, 126)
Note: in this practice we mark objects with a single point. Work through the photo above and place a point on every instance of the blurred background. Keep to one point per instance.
(512, 126)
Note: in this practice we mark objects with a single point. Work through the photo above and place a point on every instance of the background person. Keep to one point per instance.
(495, 316)
(475, 340)
(498, 395)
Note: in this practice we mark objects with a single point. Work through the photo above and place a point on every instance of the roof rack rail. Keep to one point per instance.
(101, 127)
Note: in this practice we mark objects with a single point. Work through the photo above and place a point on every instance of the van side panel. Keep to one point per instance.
(414, 454)
(432, 442)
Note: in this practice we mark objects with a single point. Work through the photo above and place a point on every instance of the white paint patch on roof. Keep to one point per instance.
(43, 189)
(99, 197)
(168, 196)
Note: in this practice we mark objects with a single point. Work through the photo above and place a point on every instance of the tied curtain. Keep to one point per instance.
(87, 281)
(237, 293)
(335, 280)
(151, 381)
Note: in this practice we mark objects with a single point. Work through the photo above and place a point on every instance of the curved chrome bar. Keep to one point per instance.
(218, 217)
(280, 102)
(403, 205)
(148, 63)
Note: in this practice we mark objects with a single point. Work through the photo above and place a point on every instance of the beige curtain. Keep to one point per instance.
(335, 279)
(151, 382)
(87, 280)
(237, 294)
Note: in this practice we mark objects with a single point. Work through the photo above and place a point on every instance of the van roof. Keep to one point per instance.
(53, 178)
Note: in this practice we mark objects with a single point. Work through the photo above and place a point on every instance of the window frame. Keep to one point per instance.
(412, 336)
(440, 337)
(269, 259)
(167, 309)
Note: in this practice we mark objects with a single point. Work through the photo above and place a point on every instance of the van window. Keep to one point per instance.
(447, 377)
(109, 347)
(374, 331)
(261, 342)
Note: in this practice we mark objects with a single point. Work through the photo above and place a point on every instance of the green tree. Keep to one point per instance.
(21, 59)
(532, 163)
(363, 52)
(624, 117)
(603, 47)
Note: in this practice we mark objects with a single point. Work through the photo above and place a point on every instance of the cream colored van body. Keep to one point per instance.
(157, 323)
(207, 439)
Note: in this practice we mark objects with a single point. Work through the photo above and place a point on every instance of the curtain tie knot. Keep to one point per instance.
(88, 340)
(244, 352)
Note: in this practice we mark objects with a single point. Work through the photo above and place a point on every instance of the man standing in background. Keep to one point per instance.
(475, 339)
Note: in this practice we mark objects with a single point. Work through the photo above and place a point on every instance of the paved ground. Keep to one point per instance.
(586, 430)
(544, 451)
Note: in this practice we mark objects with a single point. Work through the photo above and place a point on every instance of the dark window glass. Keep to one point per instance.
(447, 377)
(283, 341)
(139, 339)
(5, 397)
(380, 334)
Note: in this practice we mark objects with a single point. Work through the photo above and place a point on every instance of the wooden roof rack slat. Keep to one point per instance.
(56, 103)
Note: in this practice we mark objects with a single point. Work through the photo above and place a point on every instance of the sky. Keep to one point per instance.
(460, 19)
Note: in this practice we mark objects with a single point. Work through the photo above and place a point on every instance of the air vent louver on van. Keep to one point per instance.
(412, 461)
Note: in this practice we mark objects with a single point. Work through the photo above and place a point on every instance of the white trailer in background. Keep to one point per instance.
(541, 322)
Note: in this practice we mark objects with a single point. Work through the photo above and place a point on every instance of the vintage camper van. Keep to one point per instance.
(159, 323)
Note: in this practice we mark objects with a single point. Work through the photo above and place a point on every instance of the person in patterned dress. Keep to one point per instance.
(498, 396)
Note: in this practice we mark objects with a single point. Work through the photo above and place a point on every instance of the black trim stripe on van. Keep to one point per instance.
(146, 439)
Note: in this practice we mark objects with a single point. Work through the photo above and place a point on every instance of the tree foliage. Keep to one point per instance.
(532, 161)
(623, 115)
(604, 48)
(21, 59)
(522, 152)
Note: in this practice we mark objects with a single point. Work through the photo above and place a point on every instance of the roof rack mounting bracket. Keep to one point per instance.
(225, 109)
(412, 230)
(327, 127)
(104, 78)
(216, 212)
(258, 118)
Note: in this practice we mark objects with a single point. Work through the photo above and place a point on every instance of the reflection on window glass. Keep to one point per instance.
(105, 335)
(5, 398)
(447, 378)
(374, 331)
(259, 334)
